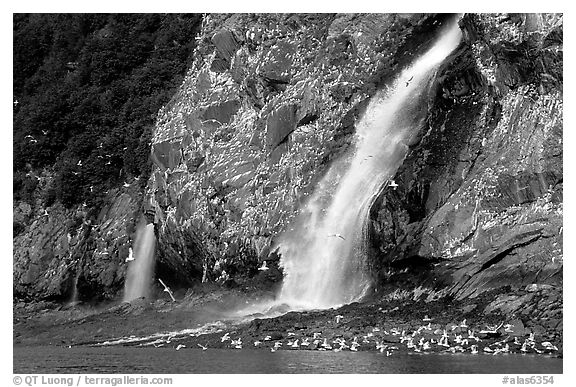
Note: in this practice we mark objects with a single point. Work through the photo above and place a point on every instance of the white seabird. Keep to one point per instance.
(130, 255)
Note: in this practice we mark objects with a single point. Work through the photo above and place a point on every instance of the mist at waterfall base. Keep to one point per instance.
(141, 269)
(323, 254)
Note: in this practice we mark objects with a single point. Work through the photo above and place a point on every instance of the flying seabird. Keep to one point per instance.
(130, 255)
(263, 267)
(167, 289)
(337, 235)
(408, 81)
(508, 328)
(492, 329)
(237, 343)
(366, 158)
(393, 184)
(203, 347)
(325, 344)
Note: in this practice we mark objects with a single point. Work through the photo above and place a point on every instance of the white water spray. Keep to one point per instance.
(324, 254)
(140, 270)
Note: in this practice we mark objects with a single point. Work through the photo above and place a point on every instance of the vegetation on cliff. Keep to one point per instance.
(87, 88)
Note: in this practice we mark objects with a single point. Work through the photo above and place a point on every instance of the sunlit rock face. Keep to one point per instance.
(479, 202)
(268, 103)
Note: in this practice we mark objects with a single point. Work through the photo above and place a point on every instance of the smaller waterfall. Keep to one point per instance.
(141, 268)
(74, 299)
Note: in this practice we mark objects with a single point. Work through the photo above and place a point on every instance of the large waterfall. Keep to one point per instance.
(323, 254)
(141, 267)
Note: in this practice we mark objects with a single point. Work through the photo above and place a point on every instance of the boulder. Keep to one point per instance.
(516, 329)
(226, 46)
(276, 65)
(221, 112)
(279, 124)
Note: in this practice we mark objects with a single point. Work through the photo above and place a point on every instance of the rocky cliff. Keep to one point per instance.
(271, 100)
(479, 202)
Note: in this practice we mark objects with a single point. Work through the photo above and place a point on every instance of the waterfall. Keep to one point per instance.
(140, 269)
(74, 299)
(323, 254)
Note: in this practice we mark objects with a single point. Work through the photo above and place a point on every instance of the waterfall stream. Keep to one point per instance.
(141, 268)
(323, 254)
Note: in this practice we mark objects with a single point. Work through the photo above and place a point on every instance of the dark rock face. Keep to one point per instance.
(226, 45)
(63, 253)
(479, 202)
(279, 125)
(221, 112)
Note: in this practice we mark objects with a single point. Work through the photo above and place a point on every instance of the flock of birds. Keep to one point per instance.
(455, 338)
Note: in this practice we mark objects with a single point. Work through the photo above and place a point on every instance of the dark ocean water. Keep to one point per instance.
(144, 360)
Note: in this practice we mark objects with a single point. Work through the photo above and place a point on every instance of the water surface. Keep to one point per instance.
(224, 361)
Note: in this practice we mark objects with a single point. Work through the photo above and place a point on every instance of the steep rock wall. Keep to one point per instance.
(479, 201)
(269, 102)
(72, 253)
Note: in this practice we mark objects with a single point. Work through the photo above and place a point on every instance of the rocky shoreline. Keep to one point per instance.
(205, 320)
